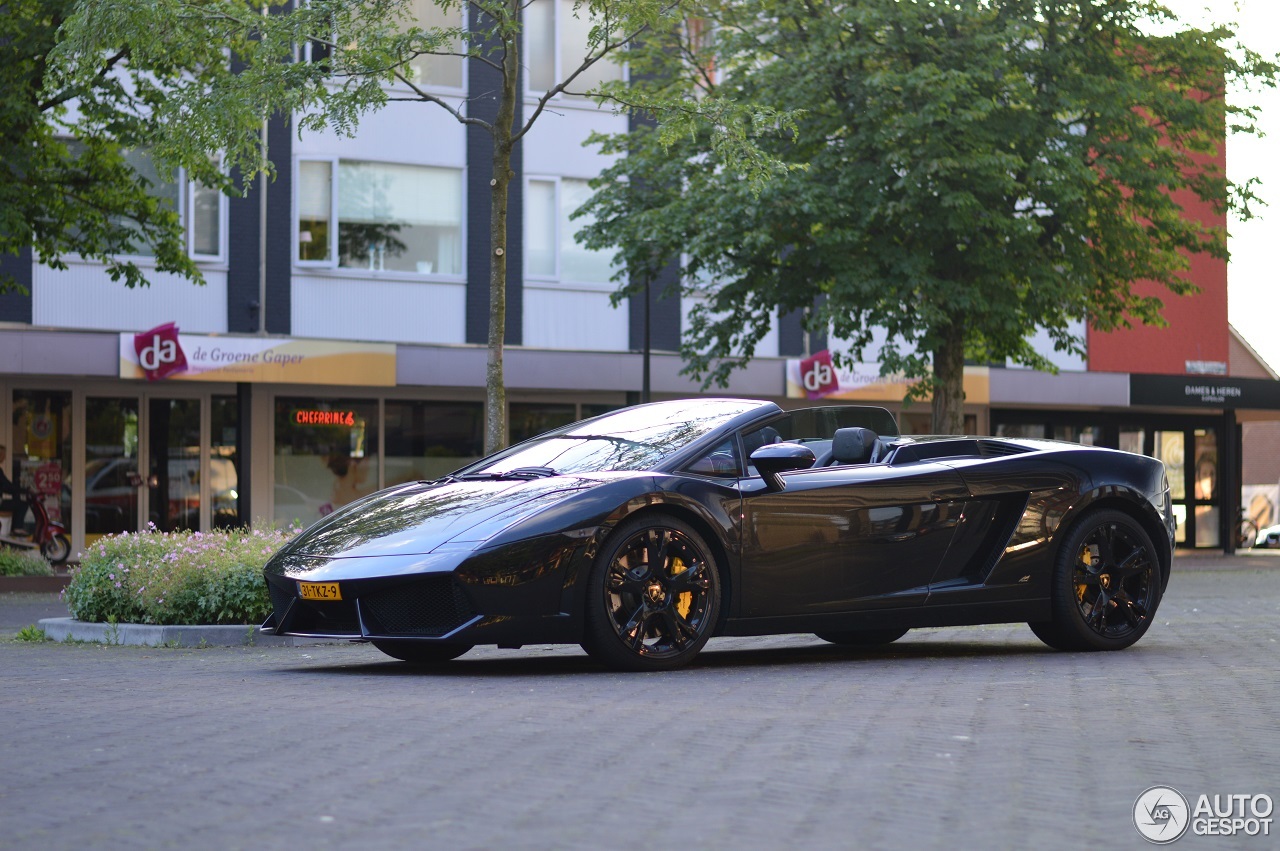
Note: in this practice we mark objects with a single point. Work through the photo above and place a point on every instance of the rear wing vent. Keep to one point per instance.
(998, 448)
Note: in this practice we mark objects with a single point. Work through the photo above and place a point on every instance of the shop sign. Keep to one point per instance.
(163, 353)
(816, 377)
(1200, 391)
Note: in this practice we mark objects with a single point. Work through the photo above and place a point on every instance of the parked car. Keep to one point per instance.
(643, 532)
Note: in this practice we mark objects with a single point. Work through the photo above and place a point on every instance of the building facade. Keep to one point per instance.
(346, 353)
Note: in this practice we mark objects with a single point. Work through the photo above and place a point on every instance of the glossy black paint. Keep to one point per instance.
(942, 531)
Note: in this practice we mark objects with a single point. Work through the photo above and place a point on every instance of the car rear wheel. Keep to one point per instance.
(1106, 585)
(863, 637)
(422, 652)
(653, 597)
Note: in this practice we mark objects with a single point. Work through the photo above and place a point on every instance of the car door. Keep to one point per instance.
(839, 539)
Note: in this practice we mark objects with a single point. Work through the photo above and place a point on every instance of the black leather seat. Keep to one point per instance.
(853, 446)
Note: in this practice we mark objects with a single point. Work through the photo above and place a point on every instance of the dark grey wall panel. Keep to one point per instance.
(242, 274)
(485, 82)
(791, 336)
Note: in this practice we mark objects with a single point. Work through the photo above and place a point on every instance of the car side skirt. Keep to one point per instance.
(960, 614)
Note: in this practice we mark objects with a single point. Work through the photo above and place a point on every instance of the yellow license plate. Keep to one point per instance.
(326, 591)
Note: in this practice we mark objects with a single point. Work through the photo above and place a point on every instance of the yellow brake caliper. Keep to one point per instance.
(1087, 558)
(685, 601)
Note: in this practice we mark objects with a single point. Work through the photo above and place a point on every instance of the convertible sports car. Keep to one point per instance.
(642, 533)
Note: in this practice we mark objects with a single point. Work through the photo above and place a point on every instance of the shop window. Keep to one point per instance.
(427, 440)
(1207, 532)
(40, 454)
(596, 409)
(1085, 435)
(389, 217)
(922, 423)
(552, 251)
(1034, 431)
(1206, 469)
(112, 480)
(1132, 439)
(224, 461)
(531, 420)
(557, 41)
(1170, 448)
(326, 454)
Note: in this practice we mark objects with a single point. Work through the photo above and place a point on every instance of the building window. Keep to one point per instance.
(202, 210)
(551, 251)
(430, 69)
(394, 218)
(556, 43)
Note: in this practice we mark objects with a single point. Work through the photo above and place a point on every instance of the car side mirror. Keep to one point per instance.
(775, 458)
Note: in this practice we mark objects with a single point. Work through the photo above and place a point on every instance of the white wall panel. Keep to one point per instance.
(554, 145)
(410, 133)
(574, 319)
(348, 308)
(766, 348)
(83, 296)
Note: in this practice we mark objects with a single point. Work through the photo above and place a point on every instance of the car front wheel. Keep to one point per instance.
(653, 597)
(1106, 585)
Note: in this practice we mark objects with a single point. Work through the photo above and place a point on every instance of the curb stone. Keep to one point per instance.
(152, 635)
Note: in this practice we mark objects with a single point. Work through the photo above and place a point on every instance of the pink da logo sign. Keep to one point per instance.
(159, 353)
(818, 375)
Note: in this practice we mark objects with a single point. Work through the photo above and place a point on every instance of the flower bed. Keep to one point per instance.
(157, 577)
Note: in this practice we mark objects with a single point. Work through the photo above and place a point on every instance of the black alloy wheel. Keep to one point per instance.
(653, 597)
(422, 652)
(1106, 585)
(863, 637)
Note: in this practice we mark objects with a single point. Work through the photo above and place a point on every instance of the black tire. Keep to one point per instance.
(863, 637)
(56, 549)
(1106, 585)
(422, 652)
(653, 597)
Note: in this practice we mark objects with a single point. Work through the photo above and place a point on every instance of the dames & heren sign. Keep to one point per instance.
(165, 354)
(1199, 391)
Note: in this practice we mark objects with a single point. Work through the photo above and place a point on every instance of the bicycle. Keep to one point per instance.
(1246, 531)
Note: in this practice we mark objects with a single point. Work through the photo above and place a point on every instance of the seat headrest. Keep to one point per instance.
(853, 445)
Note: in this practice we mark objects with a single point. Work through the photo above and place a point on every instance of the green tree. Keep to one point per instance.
(65, 186)
(362, 46)
(971, 172)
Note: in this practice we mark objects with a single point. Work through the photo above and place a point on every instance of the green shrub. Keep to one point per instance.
(175, 577)
(23, 563)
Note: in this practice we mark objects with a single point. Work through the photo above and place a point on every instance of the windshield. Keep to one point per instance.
(630, 439)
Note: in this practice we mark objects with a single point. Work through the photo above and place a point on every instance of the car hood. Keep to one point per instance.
(417, 518)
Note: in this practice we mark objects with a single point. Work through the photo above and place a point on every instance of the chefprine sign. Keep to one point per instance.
(164, 354)
(1204, 391)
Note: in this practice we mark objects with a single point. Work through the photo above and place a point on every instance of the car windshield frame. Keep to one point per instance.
(644, 437)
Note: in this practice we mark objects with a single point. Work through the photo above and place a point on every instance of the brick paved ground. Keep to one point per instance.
(961, 738)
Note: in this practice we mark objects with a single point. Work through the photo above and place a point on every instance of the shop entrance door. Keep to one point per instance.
(163, 460)
(174, 475)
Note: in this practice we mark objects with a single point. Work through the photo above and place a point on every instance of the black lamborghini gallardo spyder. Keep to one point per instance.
(642, 533)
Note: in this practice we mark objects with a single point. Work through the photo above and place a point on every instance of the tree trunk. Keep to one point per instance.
(948, 382)
(495, 396)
